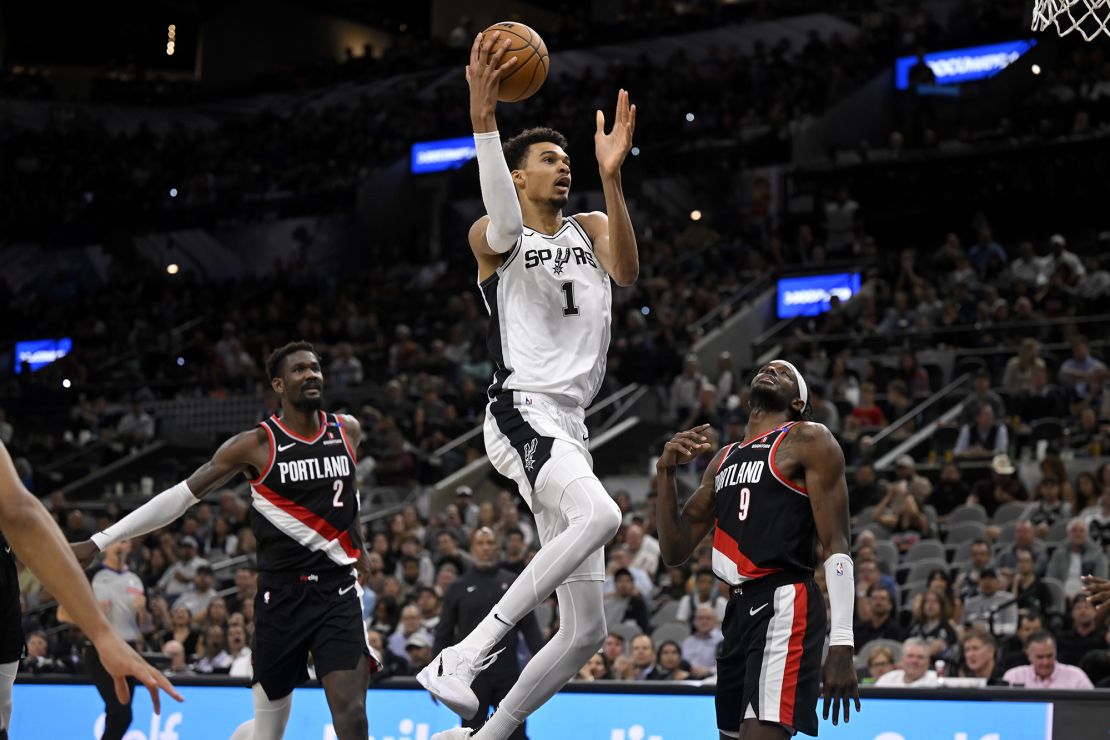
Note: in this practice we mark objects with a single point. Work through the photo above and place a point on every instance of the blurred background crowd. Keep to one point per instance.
(177, 227)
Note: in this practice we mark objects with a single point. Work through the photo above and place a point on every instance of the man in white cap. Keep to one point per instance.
(1059, 256)
(771, 496)
(1002, 487)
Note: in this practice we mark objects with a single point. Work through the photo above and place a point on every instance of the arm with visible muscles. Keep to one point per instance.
(612, 233)
(828, 495)
(39, 543)
(233, 457)
(497, 232)
(680, 533)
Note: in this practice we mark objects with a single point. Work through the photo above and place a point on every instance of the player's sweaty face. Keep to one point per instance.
(304, 380)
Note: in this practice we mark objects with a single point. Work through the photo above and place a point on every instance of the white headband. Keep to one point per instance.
(803, 391)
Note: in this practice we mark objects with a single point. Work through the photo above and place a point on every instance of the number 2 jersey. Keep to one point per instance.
(305, 504)
(550, 304)
(764, 521)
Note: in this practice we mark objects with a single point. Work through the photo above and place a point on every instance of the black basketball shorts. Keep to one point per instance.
(11, 617)
(295, 614)
(769, 667)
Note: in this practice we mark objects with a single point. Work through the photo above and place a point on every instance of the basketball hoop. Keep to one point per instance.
(1089, 17)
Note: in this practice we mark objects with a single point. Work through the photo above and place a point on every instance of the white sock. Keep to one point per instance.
(592, 520)
(581, 633)
(7, 678)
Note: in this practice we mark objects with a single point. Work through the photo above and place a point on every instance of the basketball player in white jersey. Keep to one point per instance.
(545, 278)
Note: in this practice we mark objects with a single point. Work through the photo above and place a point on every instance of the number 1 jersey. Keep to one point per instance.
(550, 304)
(305, 504)
(764, 521)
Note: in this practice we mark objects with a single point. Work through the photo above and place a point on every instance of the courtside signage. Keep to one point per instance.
(404, 714)
(41, 352)
(444, 154)
(963, 65)
(809, 295)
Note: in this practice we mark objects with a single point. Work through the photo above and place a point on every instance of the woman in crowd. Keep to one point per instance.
(597, 668)
(669, 665)
(932, 622)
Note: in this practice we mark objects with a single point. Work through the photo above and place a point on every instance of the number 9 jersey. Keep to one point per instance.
(550, 305)
(305, 504)
(764, 521)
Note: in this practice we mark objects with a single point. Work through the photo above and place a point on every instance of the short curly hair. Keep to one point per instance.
(516, 148)
(277, 357)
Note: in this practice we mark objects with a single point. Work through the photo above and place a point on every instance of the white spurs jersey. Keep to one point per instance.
(550, 304)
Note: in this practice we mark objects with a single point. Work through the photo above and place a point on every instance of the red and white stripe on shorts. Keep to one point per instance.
(782, 655)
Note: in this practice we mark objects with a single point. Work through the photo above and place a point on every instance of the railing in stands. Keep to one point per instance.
(920, 408)
(940, 332)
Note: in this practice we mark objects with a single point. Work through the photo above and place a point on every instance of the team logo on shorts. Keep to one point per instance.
(530, 454)
(840, 569)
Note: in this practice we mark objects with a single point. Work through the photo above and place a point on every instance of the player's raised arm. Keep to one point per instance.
(234, 456)
(680, 533)
(828, 495)
(504, 222)
(612, 234)
(39, 543)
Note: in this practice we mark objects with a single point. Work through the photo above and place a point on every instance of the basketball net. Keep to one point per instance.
(1090, 17)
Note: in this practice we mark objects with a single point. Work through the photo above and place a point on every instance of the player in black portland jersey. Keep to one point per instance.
(305, 506)
(772, 497)
(11, 632)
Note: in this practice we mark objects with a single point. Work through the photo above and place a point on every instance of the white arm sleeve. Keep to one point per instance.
(158, 512)
(498, 193)
(840, 581)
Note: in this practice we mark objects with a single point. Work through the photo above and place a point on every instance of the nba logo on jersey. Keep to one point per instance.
(840, 569)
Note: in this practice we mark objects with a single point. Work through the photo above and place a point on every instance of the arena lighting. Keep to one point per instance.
(810, 295)
(690, 117)
(181, 362)
(645, 310)
(963, 65)
(695, 215)
(66, 383)
(635, 151)
(442, 154)
(173, 192)
(1036, 69)
(38, 353)
(172, 268)
(169, 49)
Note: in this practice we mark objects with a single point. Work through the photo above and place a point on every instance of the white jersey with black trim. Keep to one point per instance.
(550, 304)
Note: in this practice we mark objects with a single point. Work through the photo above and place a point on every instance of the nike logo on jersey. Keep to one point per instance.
(745, 472)
(283, 448)
(502, 621)
(345, 590)
(471, 589)
(753, 611)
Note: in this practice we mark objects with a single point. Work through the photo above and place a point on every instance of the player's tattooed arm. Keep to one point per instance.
(820, 454)
(680, 532)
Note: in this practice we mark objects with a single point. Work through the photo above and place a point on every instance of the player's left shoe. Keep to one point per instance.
(449, 675)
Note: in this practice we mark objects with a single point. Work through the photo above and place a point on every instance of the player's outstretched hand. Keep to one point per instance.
(485, 71)
(1098, 593)
(611, 148)
(839, 682)
(121, 661)
(85, 552)
(684, 447)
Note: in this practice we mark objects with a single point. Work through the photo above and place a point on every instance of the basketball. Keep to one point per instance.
(531, 65)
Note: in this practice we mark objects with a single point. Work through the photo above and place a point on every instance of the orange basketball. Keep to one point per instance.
(531, 67)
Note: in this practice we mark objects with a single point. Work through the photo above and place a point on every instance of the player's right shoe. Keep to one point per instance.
(448, 678)
(455, 733)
